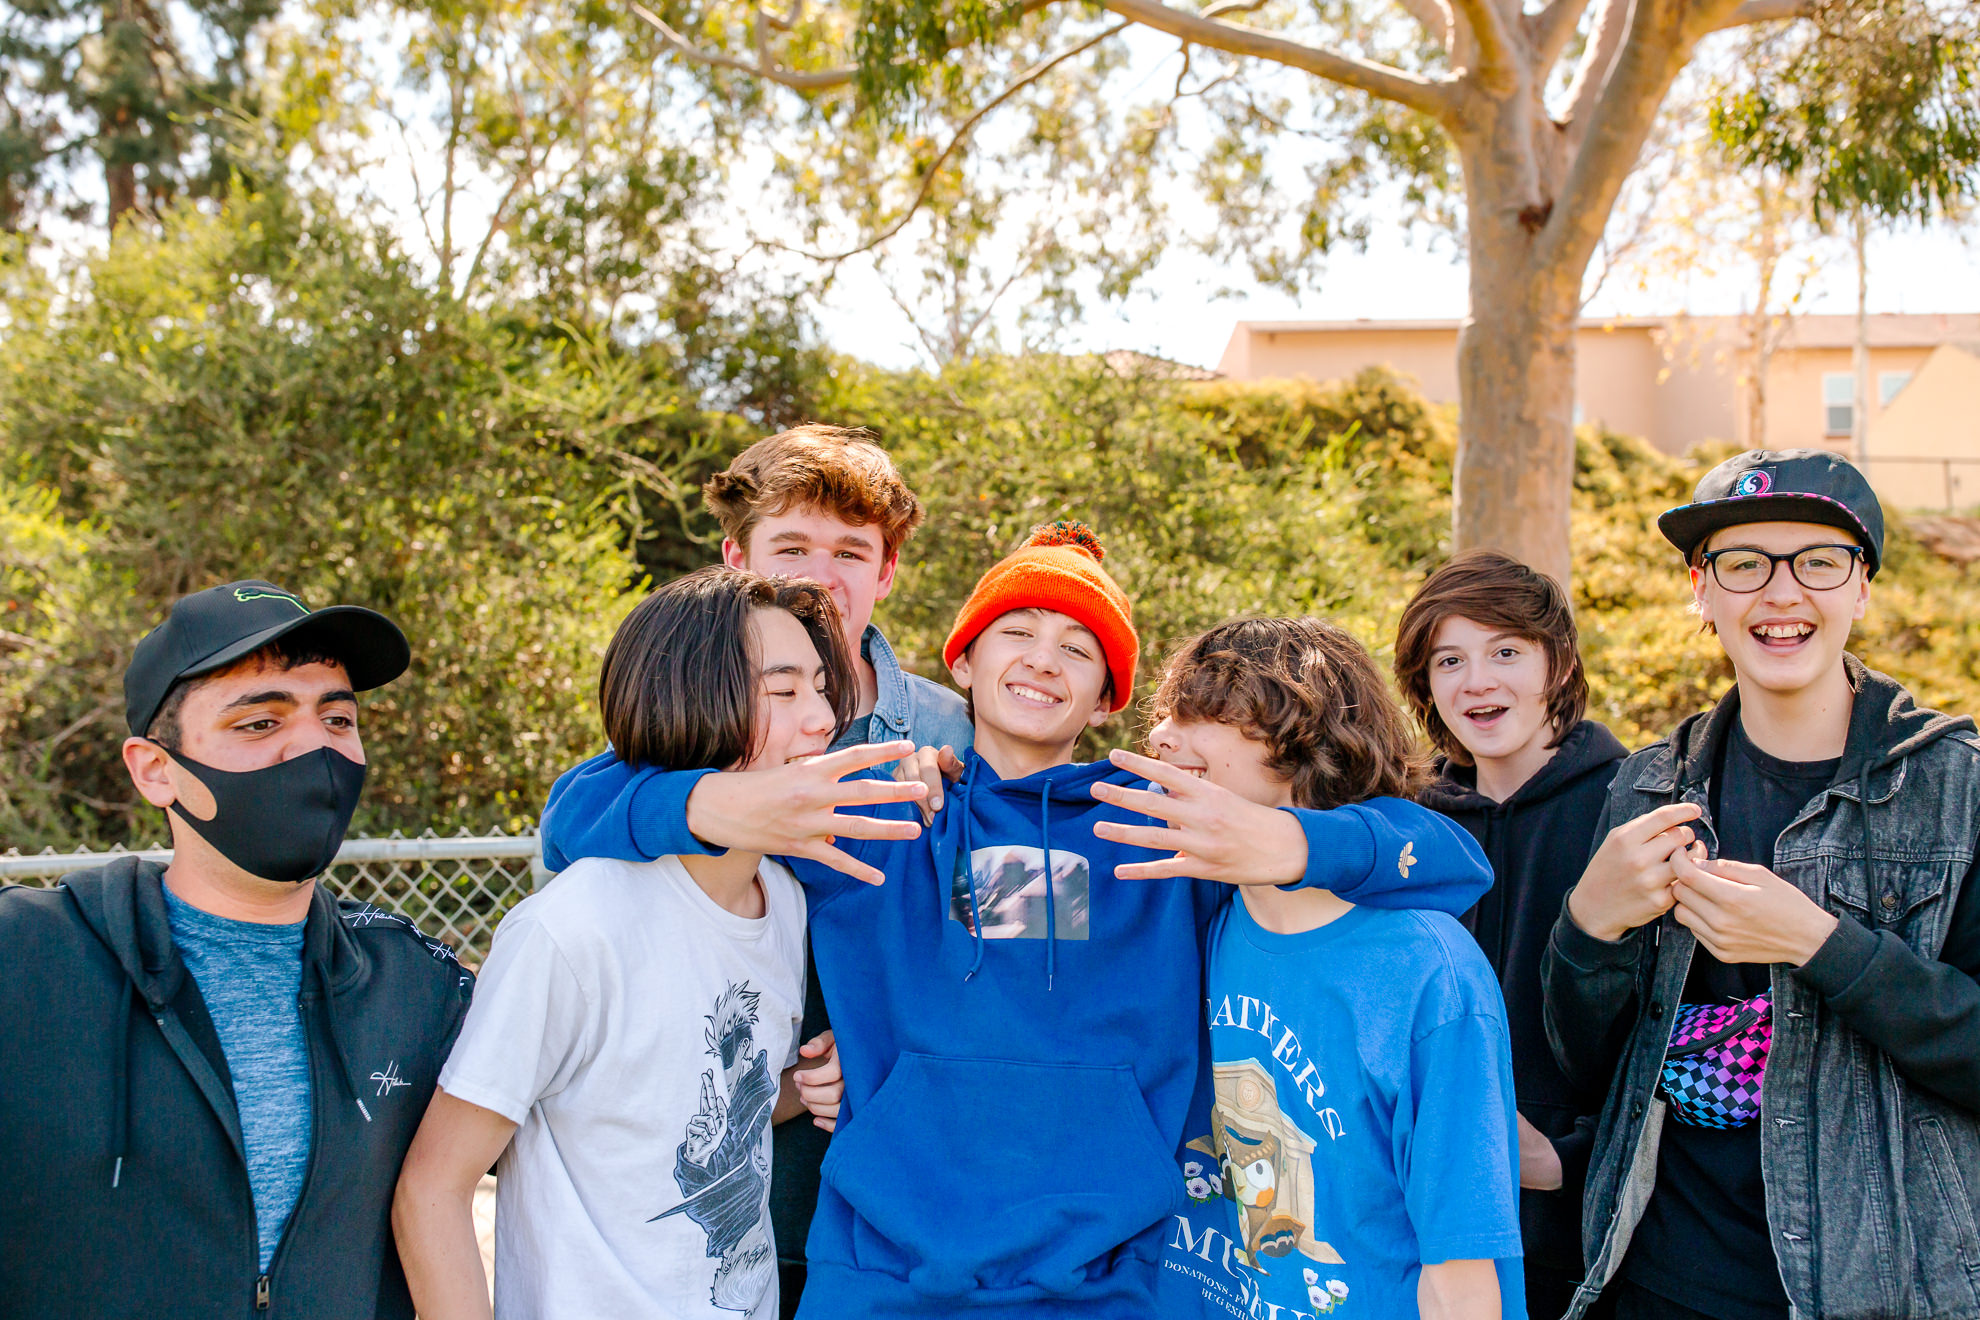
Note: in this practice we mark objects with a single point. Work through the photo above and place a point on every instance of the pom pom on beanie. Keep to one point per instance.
(1057, 568)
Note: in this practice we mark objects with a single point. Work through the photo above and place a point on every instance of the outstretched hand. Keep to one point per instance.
(1213, 833)
(793, 810)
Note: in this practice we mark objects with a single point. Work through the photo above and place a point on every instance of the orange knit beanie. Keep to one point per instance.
(1058, 568)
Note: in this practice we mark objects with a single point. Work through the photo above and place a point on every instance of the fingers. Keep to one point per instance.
(1652, 823)
(1159, 772)
(869, 792)
(1182, 865)
(817, 1045)
(1162, 806)
(950, 764)
(872, 827)
(845, 863)
(828, 1124)
(1154, 837)
(865, 756)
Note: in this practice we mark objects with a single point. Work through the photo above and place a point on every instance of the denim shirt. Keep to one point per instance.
(909, 706)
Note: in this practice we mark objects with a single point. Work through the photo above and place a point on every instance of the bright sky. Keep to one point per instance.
(1178, 314)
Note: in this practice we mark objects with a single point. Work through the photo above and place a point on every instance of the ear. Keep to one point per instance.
(1862, 596)
(888, 567)
(1100, 713)
(960, 670)
(149, 766)
(735, 556)
(1698, 595)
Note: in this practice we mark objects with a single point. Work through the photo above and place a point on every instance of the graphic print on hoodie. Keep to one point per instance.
(1016, 1107)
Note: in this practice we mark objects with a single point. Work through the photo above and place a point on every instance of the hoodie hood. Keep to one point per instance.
(1885, 726)
(1587, 749)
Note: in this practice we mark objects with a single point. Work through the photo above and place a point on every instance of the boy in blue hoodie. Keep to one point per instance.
(1020, 1026)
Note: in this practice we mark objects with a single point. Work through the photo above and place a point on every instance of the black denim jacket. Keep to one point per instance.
(1870, 1140)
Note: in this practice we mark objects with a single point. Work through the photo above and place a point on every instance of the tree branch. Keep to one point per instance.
(1431, 96)
(1659, 43)
(1766, 11)
(1592, 74)
(816, 80)
(1550, 30)
(1434, 17)
(1018, 84)
(1495, 45)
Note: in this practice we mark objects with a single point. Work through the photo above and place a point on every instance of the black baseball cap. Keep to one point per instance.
(1780, 485)
(211, 629)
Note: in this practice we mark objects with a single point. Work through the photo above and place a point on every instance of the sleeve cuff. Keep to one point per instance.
(1340, 849)
(1584, 952)
(657, 816)
(1842, 960)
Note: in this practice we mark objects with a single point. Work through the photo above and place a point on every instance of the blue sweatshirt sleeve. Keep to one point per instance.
(1392, 853)
(606, 808)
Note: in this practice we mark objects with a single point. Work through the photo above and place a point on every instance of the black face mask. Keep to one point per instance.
(283, 822)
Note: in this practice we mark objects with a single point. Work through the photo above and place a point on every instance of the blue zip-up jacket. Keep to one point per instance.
(1022, 1037)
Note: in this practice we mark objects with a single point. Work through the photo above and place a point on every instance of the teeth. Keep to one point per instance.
(1486, 712)
(1784, 630)
(1033, 694)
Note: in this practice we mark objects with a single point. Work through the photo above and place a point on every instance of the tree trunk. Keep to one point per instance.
(1515, 463)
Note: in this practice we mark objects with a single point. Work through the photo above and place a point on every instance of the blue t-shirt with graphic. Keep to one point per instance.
(1363, 1122)
(248, 973)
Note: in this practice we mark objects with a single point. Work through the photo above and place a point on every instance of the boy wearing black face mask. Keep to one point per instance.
(213, 1067)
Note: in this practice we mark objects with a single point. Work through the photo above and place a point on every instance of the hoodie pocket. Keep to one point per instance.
(969, 1175)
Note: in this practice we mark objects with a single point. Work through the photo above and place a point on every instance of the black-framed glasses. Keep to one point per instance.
(1817, 567)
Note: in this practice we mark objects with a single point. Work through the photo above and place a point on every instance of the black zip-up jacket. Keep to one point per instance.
(1538, 840)
(123, 1190)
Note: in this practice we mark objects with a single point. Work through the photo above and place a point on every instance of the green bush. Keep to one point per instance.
(252, 394)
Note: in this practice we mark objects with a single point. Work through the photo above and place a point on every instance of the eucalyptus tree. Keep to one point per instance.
(1529, 119)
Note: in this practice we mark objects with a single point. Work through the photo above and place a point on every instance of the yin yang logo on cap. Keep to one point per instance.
(1757, 482)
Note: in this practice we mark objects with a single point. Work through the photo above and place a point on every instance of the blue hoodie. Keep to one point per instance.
(1022, 1038)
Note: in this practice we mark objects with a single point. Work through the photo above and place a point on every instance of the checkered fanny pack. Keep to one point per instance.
(1716, 1062)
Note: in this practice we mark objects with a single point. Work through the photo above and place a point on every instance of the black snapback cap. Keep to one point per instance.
(211, 629)
(1780, 485)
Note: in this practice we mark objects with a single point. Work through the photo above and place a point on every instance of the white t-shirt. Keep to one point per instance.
(636, 1031)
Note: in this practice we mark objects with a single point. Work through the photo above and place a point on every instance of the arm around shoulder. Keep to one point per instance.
(606, 808)
(1393, 853)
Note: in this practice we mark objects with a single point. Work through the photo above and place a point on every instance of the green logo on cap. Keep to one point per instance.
(245, 594)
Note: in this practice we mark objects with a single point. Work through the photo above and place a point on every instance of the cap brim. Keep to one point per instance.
(1687, 526)
(370, 646)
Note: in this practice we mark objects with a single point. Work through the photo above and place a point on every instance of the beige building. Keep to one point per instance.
(1679, 381)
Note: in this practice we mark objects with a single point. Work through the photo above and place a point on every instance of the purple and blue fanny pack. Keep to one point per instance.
(1717, 1061)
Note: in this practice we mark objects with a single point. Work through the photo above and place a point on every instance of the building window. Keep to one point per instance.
(1838, 402)
(1888, 385)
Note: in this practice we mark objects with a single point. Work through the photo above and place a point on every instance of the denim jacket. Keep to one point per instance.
(1869, 1142)
(909, 706)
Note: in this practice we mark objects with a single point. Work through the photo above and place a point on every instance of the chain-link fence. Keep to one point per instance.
(453, 888)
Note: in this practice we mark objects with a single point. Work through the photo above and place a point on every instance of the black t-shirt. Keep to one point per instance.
(1704, 1242)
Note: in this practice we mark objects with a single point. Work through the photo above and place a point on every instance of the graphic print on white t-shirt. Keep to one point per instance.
(722, 1165)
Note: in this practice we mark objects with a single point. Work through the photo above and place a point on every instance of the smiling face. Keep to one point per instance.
(1036, 679)
(1490, 688)
(793, 717)
(1783, 638)
(1221, 754)
(849, 560)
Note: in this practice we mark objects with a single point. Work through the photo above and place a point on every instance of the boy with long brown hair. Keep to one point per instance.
(1488, 659)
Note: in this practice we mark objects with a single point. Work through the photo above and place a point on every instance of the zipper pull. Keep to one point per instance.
(261, 1293)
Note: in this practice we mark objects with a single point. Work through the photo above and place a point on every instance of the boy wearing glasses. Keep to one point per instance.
(1769, 961)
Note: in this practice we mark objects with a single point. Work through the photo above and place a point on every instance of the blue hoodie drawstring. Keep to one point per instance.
(967, 861)
(1051, 920)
